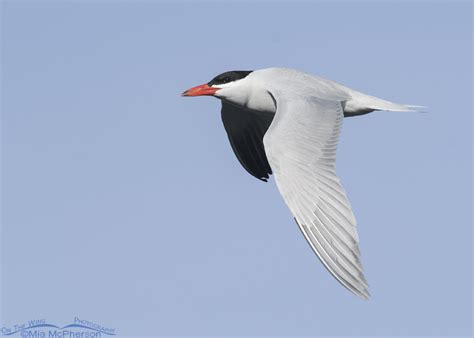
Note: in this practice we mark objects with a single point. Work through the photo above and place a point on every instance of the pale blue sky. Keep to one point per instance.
(124, 204)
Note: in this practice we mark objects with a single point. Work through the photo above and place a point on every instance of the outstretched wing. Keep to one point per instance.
(245, 130)
(301, 148)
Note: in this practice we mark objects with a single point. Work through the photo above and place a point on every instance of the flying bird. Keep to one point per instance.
(287, 123)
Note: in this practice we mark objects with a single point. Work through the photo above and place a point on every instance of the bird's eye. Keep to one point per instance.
(226, 79)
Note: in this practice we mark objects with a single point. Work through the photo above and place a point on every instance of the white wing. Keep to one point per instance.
(301, 148)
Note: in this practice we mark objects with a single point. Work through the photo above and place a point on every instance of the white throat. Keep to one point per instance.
(247, 93)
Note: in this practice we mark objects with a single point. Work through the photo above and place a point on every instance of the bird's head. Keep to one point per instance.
(228, 85)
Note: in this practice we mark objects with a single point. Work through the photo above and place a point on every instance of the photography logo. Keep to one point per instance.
(41, 328)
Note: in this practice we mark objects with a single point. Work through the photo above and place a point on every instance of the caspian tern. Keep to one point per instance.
(287, 122)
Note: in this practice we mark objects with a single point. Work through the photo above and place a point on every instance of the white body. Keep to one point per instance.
(253, 91)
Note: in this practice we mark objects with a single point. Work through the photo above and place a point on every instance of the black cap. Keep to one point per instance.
(227, 77)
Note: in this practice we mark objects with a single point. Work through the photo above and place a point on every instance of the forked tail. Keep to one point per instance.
(361, 104)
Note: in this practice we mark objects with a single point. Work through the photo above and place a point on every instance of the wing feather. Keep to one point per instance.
(301, 148)
(245, 130)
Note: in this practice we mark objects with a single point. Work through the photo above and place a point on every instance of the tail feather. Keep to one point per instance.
(418, 109)
(390, 106)
(362, 103)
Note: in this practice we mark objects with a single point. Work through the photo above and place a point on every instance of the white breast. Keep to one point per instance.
(261, 100)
